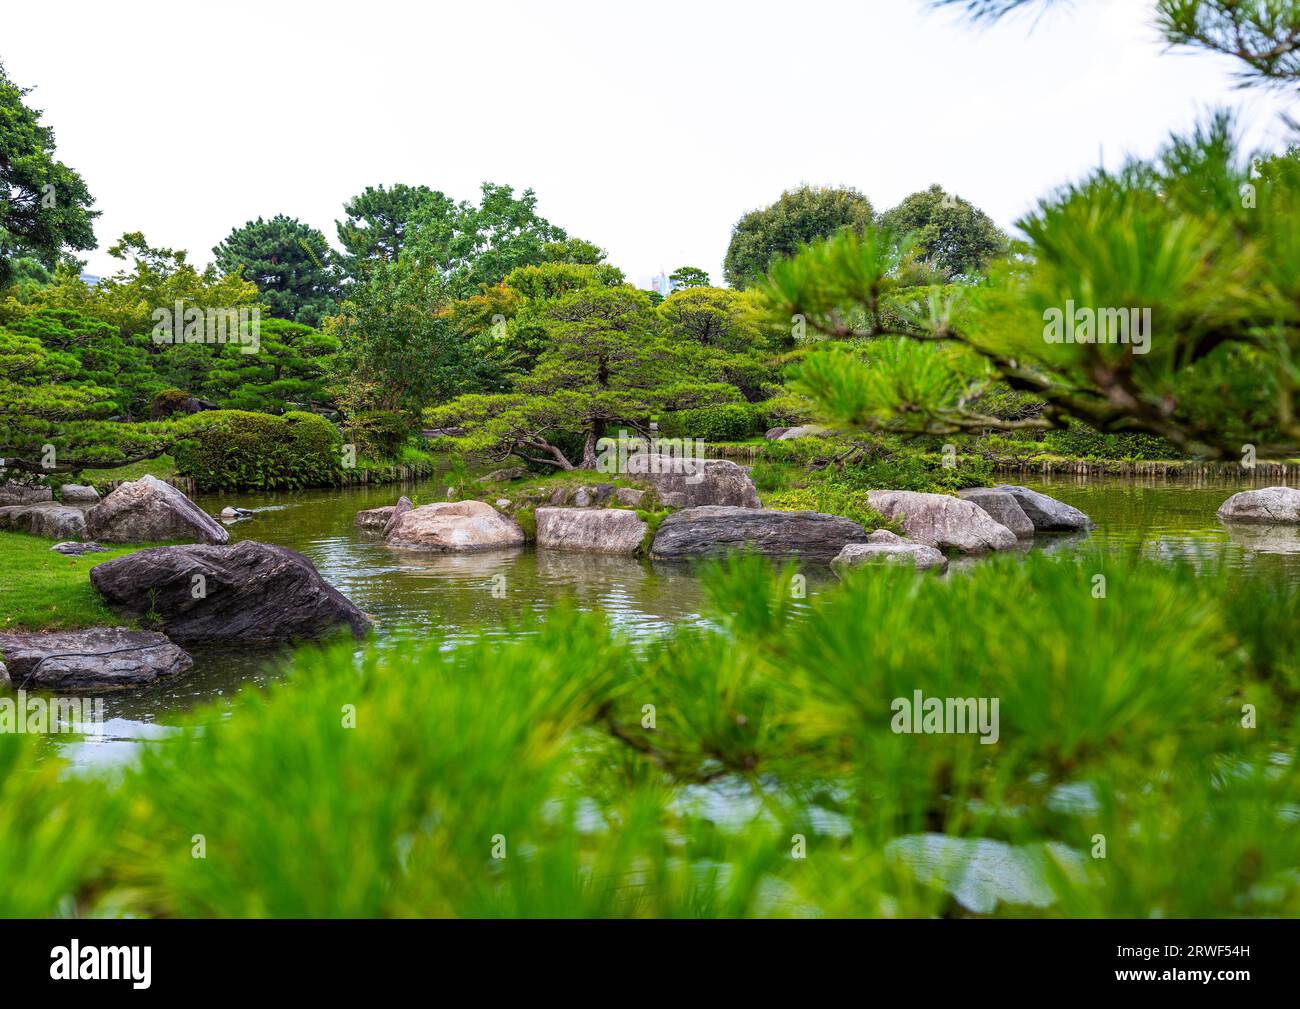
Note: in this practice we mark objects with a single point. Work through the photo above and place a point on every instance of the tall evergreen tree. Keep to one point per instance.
(288, 261)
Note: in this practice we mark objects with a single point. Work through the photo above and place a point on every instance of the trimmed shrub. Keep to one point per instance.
(724, 422)
(377, 434)
(1080, 440)
(234, 450)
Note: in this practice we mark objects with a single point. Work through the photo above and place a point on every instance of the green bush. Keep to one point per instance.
(830, 500)
(724, 422)
(1080, 440)
(233, 450)
(168, 402)
(377, 434)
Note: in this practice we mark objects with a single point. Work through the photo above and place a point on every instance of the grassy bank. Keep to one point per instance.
(41, 590)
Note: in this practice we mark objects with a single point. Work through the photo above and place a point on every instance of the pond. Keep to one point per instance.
(458, 595)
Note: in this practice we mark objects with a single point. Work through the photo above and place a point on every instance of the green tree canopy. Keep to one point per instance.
(606, 364)
(288, 261)
(949, 232)
(688, 276)
(374, 228)
(797, 218)
(44, 204)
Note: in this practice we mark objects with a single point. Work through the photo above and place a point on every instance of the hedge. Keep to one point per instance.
(235, 450)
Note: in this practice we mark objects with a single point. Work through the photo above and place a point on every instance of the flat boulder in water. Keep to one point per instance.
(1046, 513)
(252, 593)
(454, 527)
(1267, 506)
(712, 530)
(943, 522)
(102, 658)
(590, 530)
(1002, 507)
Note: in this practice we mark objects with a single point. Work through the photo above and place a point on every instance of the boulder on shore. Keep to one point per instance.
(711, 530)
(149, 509)
(1266, 506)
(884, 547)
(71, 549)
(804, 431)
(14, 493)
(53, 521)
(454, 526)
(77, 493)
(250, 593)
(1002, 507)
(681, 482)
(590, 530)
(1046, 513)
(102, 658)
(942, 521)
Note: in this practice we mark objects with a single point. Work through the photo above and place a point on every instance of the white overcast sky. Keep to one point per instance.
(648, 128)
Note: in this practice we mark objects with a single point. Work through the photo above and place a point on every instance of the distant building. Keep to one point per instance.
(661, 284)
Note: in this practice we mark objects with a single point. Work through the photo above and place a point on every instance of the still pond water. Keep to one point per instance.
(414, 594)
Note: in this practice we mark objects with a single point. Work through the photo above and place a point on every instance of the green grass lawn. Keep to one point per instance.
(164, 467)
(43, 590)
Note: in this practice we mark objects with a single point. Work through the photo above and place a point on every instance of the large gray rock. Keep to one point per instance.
(631, 497)
(13, 493)
(454, 526)
(403, 506)
(374, 518)
(1046, 513)
(55, 521)
(941, 521)
(711, 530)
(249, 593)
(1267, 506)
(77, 493)
(803, 431)
(590, 530)
(102, 658)
(1002, 507)
(884, 547)
(690, 483)
(147, 510)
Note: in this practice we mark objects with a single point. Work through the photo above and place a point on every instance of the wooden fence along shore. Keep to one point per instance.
(1190, 472)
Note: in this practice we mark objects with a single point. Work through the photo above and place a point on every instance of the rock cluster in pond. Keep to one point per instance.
(690, 483)
(103, 658)
(454, 526)
(1046, 513)
(1002, 507)
(884, 547)
(590, 530)
(1266, 506)
(147, 510)
(711, 529)
(55, 521)
(944, 522)
(252, 593)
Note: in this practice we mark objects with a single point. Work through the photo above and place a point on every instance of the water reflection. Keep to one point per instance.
(411, 593)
